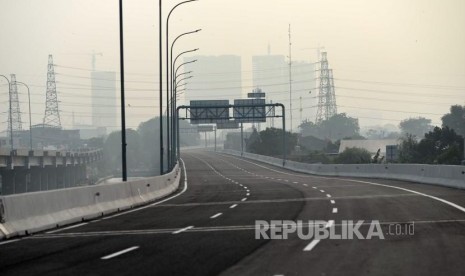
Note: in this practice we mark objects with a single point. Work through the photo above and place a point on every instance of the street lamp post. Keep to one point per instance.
(30, 117)
(124, 175)
(11, 118)
(160, 72)
(168, 75)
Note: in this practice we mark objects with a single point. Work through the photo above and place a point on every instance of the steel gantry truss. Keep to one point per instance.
(236, 116)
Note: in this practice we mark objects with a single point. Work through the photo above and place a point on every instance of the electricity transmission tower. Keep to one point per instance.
(327, 95)
(14, 116)
(52, 113)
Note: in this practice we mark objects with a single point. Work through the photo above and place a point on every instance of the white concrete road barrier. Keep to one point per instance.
(443, 175)
(32, 212)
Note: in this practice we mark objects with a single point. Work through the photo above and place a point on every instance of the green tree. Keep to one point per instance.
(340, 126)
(354, 156)
(270, 142)
(149, 132)
(334, 128)
(112, 151)
(415, 126)
(308, 128)
(408, 149)
(441, 146)
(455, 119)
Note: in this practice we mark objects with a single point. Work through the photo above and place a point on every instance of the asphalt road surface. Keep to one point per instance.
(208, 228)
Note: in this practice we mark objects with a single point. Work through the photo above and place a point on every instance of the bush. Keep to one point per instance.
(354, 156)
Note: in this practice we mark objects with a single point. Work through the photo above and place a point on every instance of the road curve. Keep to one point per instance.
(208, 228)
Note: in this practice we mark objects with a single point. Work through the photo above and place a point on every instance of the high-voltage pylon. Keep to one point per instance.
(327, 95)
(14, 116)
(52, 113)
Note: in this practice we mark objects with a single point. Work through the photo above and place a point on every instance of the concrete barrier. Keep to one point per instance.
(27, 213)
(443, 175)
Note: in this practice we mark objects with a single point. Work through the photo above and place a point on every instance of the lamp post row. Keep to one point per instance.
(173, 103)
(169, 151)
(169, 94)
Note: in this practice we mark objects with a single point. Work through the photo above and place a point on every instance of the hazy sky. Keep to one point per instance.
(391, 59)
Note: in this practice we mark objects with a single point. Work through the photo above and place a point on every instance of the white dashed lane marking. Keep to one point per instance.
(334, 210)
(120, 253)
(215, 216)
(311, 245)
(183, 229)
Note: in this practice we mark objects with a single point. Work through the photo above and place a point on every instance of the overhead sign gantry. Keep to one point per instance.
(218, 112)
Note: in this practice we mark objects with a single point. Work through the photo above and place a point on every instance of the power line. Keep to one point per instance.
(435, 86)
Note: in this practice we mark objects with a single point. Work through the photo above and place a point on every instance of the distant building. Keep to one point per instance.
(104, 99)
(271, 74)
(45, 136)
(214, 78)
(87, 131)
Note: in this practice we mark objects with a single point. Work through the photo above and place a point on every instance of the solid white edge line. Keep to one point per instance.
(66, 228)
(119, 253)
(137, 209)
(9, 241)
(363, 182)
(311, 245)
(158, 202)
(215, 216)
(183, 229)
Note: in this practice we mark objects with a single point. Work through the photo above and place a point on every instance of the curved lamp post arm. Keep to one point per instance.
(30, 117)
(167, 39)
(11, 121)
(190, 77)
(185, 73)
(180, 65)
